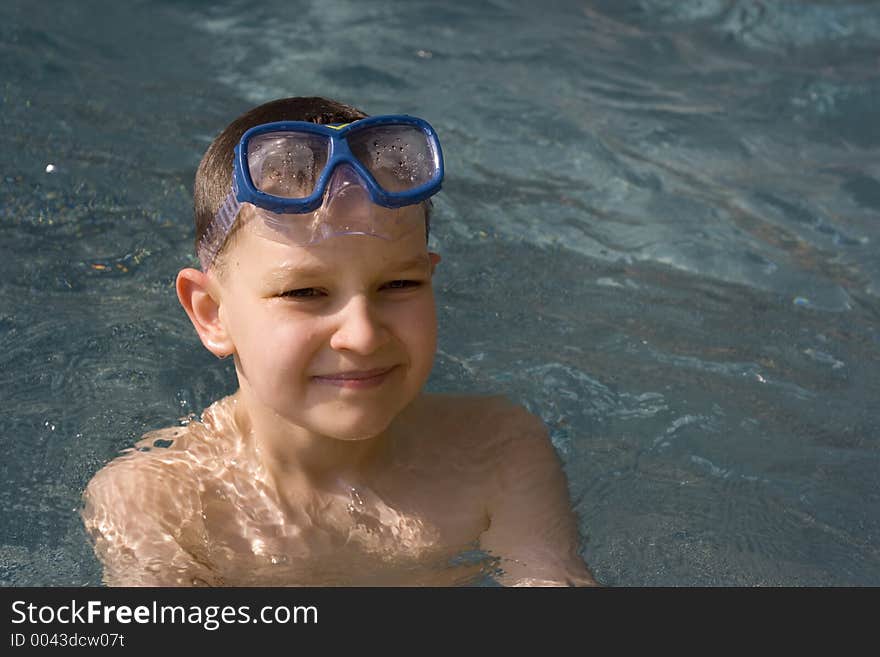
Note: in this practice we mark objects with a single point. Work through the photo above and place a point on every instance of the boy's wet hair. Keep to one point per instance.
(214, 175)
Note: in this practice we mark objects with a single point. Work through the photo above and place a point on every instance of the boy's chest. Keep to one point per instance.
(361, 536)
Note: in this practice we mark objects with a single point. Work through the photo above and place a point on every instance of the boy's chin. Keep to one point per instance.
(353, 434)
(352, 427)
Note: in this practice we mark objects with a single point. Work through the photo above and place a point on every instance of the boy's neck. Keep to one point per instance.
(294, 457)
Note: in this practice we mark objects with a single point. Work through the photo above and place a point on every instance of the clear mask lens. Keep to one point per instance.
(287, 164)
(399, 157)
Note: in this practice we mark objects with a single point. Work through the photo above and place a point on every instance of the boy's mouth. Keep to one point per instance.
(355, 378)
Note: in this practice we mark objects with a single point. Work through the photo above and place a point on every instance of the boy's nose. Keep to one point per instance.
(358, 329)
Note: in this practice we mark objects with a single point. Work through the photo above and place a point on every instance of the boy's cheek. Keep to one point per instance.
(276, 344)
(424, 328)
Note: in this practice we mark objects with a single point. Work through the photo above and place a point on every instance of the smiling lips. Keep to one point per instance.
(357, 379)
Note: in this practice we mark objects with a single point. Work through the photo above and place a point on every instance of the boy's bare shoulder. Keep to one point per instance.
(157, 474)
(489, 419)
(143, 511)
(179, 456)
(479, 407)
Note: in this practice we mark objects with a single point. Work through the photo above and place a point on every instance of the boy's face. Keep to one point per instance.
(336, 337)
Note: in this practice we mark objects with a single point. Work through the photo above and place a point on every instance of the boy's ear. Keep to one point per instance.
(194, 293)
(435, 260)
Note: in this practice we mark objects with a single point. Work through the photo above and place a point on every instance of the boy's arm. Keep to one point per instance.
(532, 526)
(140, 516)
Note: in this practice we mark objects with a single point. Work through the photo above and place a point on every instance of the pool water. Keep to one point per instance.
(659, 229)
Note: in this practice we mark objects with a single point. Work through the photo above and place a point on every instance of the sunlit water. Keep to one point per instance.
(659, 229)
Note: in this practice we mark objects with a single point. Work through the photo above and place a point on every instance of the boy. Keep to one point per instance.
(329, 465)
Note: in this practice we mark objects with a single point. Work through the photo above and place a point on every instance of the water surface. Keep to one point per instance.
(659, 232)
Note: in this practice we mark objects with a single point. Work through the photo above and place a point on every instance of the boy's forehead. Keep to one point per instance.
(270, 259)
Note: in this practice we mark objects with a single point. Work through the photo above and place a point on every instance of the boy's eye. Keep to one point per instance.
(303, 293)
(400, 285)
(306, 293)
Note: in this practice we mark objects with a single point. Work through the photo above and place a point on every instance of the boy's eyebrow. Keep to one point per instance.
(415, 262)
(285, 272)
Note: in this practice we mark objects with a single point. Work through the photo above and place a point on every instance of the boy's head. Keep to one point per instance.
(337, 335)
(215, 172)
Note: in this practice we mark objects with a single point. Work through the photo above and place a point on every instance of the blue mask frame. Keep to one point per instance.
(245, 191)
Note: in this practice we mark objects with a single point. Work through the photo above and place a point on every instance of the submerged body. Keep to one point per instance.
(197, 505)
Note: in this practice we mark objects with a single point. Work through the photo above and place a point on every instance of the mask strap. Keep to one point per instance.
(215, 234)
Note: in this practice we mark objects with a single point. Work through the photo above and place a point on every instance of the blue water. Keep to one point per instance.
(659, 230)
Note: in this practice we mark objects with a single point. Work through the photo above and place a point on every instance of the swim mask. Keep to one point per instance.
(307, 182)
